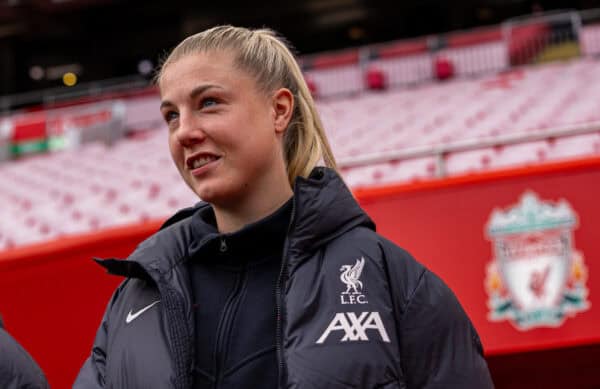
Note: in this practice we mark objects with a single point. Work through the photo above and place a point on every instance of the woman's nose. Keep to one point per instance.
(190, 131)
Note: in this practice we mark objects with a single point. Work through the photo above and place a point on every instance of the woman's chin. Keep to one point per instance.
(207, 189)
(209, 194)
(220, 191)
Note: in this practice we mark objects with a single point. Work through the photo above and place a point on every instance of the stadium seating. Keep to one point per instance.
(520, 103)
(372, 135)
(89, 188)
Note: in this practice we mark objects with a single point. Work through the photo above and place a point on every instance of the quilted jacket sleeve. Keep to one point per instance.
(17, 368)
(93, 372)
(439, 346)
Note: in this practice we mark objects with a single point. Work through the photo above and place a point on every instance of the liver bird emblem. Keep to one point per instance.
(537, 281)
(350, 276)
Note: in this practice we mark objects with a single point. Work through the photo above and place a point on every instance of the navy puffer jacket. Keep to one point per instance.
(354, 309)
(17, 369)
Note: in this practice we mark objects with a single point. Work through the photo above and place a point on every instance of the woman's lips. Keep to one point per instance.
(205, 167)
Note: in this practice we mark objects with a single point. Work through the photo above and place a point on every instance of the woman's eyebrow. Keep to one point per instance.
(202, 88)
(194, 93)
(165, 104)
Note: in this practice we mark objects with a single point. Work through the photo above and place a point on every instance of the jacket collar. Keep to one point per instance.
(323, 208)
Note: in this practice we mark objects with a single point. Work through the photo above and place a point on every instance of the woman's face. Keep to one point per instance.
(224, 134)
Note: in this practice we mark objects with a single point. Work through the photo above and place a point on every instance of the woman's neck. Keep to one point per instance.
(251, 209)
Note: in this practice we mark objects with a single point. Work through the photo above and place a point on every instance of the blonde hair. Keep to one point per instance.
(267, 58)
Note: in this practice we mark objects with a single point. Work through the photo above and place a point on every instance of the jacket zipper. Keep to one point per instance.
(279, 301)
(224, 327)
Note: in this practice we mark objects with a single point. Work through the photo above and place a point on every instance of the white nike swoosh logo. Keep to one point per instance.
(132, 316)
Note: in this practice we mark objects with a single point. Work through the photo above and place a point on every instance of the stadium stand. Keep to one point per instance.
(379, 138)
(388, 117)
(88, 188)
(530, 103)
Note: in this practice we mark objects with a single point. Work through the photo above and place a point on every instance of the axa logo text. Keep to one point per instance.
(355, 326)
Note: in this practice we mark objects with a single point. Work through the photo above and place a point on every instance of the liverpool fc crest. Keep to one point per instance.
(536, 278)
(351, 277)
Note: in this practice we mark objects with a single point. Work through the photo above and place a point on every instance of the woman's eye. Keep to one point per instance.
(170, 116)
(208, 102)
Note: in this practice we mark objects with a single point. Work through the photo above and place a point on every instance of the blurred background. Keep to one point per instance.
(98, 40)
(469, 130)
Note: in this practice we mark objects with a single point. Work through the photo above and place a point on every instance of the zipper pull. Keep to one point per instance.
(223, 247)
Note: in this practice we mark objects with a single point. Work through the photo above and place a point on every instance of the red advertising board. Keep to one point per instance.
(52, 296)
(530, 234)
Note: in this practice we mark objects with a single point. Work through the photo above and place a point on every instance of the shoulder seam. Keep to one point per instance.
(412, 294)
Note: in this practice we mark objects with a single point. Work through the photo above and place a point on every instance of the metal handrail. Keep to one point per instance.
(544, 16)
(440, 151)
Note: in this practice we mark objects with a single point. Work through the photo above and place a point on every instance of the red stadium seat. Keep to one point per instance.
(444, 68)
(375, 79)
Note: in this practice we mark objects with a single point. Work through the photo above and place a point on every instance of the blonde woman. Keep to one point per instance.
(277, 279)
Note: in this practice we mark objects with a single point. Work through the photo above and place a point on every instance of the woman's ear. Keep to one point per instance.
(283, 106)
